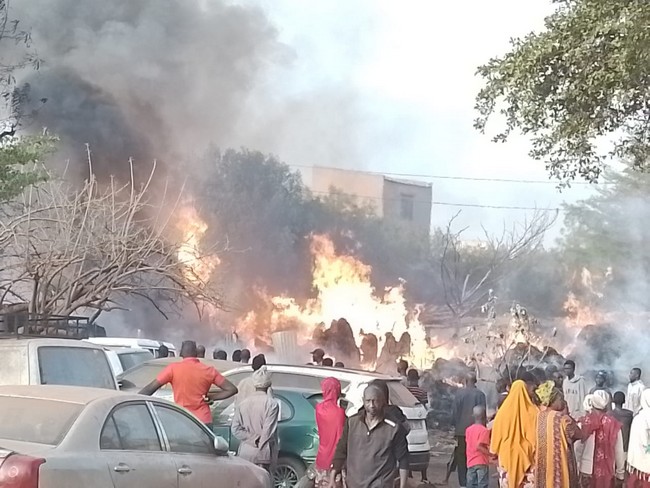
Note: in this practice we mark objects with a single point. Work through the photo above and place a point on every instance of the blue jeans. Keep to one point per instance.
(478, 476)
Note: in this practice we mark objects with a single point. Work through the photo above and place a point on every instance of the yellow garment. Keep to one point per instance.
(545, 392)
(552, 453)
(514, 433)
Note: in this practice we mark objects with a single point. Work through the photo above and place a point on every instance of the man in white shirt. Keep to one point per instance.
(575, 390)
(634, 391)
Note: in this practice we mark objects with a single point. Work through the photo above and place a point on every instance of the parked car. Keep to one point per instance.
(297, 431)
(353, 383)
(147, 344)
(28, 360)
(144, 373)
(71, 437)
(124, 358)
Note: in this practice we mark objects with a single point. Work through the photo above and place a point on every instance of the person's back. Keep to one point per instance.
(465, 400)
(330, 419)
(191, 380)
(624, 416)
(255, 423)
(477, 437)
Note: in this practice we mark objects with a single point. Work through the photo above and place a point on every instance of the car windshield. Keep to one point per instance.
(36, 420)
(131, 359)
(76, 366)
(143, 374)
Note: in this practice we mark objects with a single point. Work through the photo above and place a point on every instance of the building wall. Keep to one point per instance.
(408, 202)
(404, 201)
(367, 186)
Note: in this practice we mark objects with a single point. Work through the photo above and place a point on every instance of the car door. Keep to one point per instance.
(131, 446)
(192, 448)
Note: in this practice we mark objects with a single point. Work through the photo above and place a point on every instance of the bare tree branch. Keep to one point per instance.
(71, 250)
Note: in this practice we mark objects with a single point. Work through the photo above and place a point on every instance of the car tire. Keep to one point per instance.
(288, 472)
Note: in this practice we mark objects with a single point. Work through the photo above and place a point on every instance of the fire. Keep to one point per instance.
(343, 289)
(198, 267)
(578, 314)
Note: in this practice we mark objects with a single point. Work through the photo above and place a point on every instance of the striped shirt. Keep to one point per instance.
(419, 394)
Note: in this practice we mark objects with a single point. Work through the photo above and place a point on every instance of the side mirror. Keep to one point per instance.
(221, 446)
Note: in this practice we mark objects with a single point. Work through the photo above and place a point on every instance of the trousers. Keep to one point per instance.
(460, 457)
(478, 476)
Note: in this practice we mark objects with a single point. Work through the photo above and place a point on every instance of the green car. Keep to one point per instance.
(296, 430)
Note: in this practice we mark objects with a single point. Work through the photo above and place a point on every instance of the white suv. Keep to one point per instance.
(353, 383)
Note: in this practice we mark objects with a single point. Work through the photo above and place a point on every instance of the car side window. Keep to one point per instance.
(130, 428)
(286, 410)
(184, 435)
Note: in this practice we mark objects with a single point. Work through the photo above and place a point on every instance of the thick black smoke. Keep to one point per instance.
(150, 79)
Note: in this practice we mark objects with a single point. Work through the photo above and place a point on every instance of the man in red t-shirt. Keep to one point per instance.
(478, 455)
(191, 381)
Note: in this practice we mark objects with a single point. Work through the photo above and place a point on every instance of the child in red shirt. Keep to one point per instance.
(478, 454)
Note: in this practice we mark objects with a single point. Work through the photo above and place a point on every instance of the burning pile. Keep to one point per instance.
(372, 321)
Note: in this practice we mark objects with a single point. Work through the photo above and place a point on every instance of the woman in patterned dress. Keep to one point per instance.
(555, 465)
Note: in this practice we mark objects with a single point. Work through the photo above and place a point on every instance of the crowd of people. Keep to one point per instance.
(554, 432)
(366, 449)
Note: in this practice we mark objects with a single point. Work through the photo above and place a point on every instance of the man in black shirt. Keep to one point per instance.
(372, 446)
(465, 400)
(624, 416)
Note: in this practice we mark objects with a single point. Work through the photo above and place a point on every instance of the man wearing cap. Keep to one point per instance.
(255, 423)
(317, 356)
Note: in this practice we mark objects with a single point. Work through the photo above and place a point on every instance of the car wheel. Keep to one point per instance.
(288, 472)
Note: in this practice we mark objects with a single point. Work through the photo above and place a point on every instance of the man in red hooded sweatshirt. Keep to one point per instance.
(330, 419)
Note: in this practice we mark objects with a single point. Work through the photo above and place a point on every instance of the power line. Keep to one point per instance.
(445, 177)
(434, 202)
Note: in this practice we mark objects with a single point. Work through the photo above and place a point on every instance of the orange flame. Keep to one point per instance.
(343, 288)
(198, 268)
(579, 315)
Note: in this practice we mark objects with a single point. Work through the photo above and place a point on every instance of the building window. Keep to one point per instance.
(406, 207)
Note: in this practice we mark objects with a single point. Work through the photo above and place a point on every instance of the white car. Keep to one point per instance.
(73, 437)
(147, 344)
(124, 358)
(353, 383)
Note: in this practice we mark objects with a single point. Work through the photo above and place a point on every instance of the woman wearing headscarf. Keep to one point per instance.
(638, 452)
(255, 423)
(514, 438)
(555, 465)
(603, 458)
(330, 419)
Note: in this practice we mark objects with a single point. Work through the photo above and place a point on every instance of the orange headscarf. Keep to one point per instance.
(514, 433)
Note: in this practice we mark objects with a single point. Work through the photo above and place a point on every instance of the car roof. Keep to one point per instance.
(49, 341)
(219, 364)
(81, 395)
(347, 374)
(125, 341)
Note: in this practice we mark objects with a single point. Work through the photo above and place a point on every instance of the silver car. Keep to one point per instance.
(69, 437)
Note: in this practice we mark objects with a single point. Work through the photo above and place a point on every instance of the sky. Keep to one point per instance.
(401, 77)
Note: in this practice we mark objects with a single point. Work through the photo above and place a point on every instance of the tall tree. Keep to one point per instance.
(607, 236)
(583, 80)
(18, 157)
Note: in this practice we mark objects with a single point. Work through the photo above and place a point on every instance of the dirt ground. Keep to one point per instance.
(442, 445)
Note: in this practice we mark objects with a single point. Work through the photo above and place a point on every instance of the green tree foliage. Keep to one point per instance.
(583, 79)
(266, 213)
(18, 157)
(607, 234)
(20, 163)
